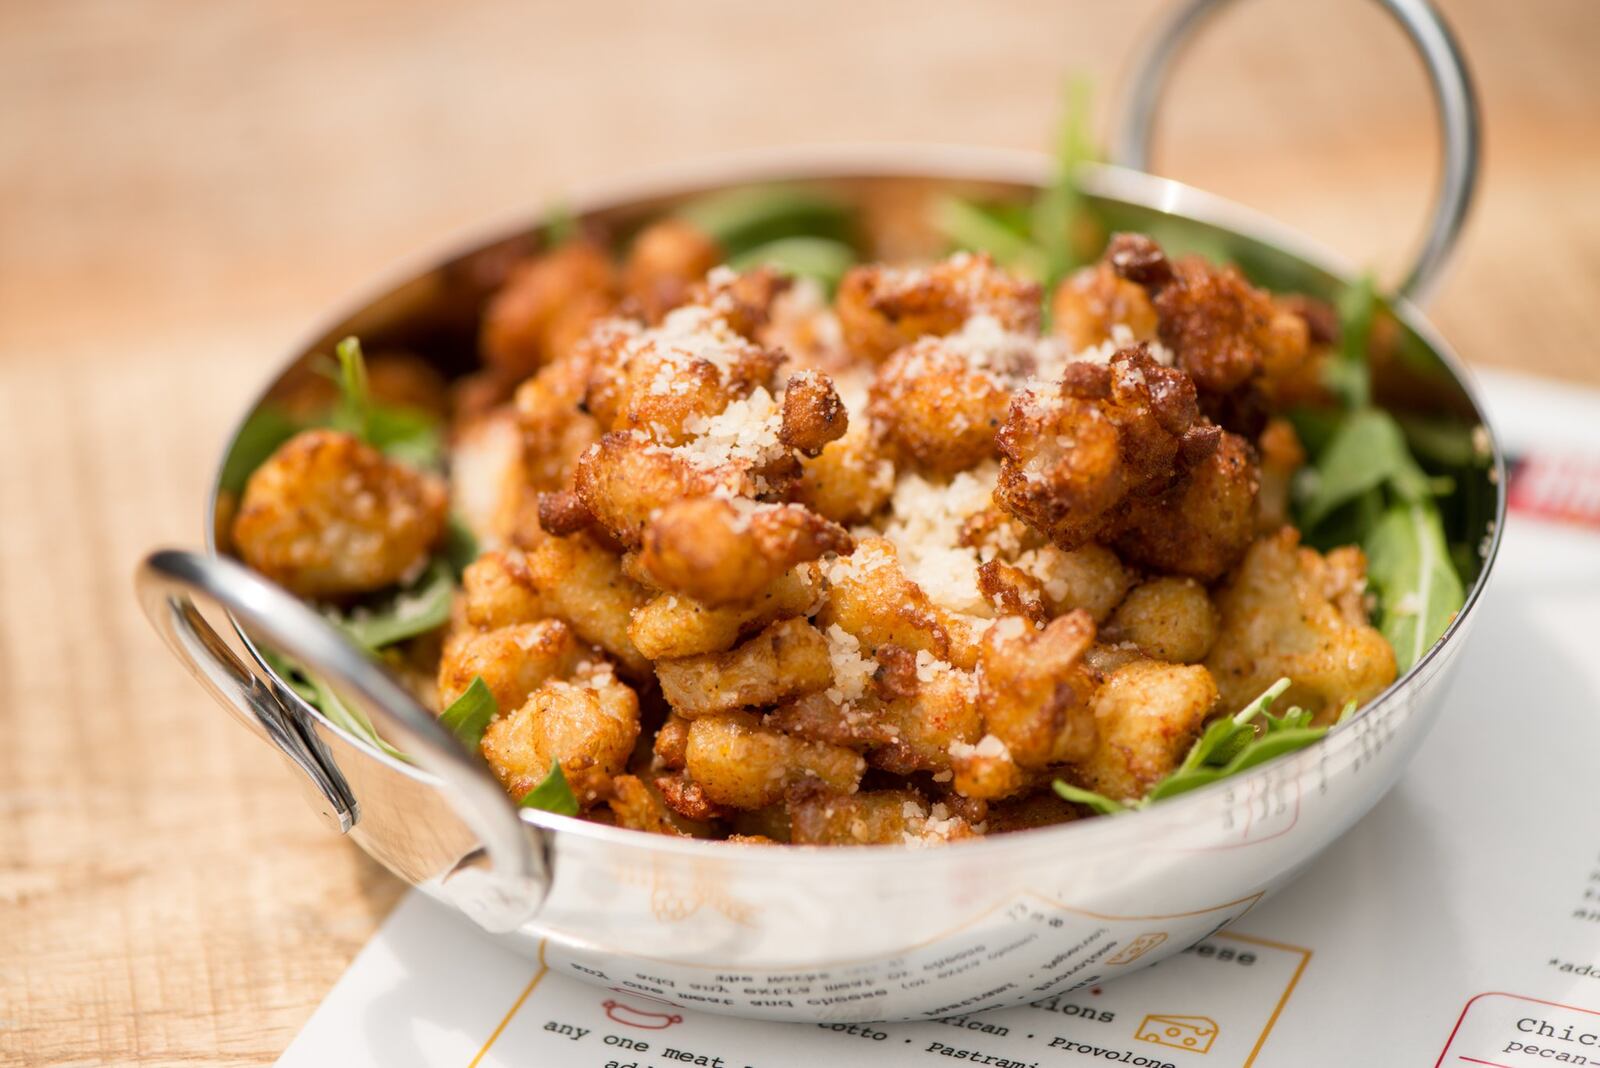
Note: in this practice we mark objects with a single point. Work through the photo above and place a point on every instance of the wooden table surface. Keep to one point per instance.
(186, 188)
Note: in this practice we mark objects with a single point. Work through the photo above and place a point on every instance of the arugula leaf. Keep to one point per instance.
(1366, 452)
(407, 435)
(355, 396)
(468, 715)
(1057, 210)
(1408, 563)
(258, 438)
(352, 721)
(967, 224)
(460, 545)
(560, 225)
(821, 258)
(416, 610)
(1106, 806)
(1348, 374)
(750, 216)
(554, 794)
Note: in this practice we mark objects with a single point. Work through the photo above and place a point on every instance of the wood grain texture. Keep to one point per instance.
(186, 188)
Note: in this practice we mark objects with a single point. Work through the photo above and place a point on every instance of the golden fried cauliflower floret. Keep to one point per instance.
(1281, 456)
(787, 659)
(1074, 457)
(918, 709)
(880, 817)
(487, 476)
(582, 583)
(882, 308)
(1147, 715)
(1202, 524)
(1089, 302)
(587, 724)
(498, 590)
(670, 625)
(740, 763)
(743, 299)
(637, 804)
(937, 408)
(1034, 690)
(726, 550)
(513, 660)
(1168, 619)
(851, 479)
(327, 516)
(1290, 611)
(1223, 331)
(1090, 578)
(664, 262)
(549, 413)
(871, 599)
(546, 304)
(624, 481)
(813, 415)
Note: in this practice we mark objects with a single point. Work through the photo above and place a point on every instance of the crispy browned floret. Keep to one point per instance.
(787, 659)
(625, 481)
(688, 799)
(937, 408)
(1147, 716)
(671, 625)
(919, 710)
(1012, 591)
(580, 581)
(1168, 619)
(544, 306)
(1281, 456)
(587, 725)
(1290, 611)
(487, 475)
(1090, 578)
(727, 550)
(813, 415)
(664, 262)
(818, 816)
(1202, 525)
(741, 763)
(672, 740)
(882, 308)
(1026, 813)
(1089, 302)
(871, 599)
(1072, 460)
(744, 300)
(498, 591)
(513, 661)
(563, 513)
(851, 479)
(327, 516)
(555, 428)
(1223, 331)
(1034, 690)
(671, 386)
(639, 805)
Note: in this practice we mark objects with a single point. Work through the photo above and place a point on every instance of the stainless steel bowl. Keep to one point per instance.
(872, 933)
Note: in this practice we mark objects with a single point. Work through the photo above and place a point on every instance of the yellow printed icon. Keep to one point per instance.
(1138, 947)
(1193, 1033)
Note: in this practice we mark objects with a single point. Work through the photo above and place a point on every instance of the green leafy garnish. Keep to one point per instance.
(353, 412)
(468, 715)
(268, 427)
(746, 218)
(560, 225)
(554, 794)
(460, 545)
(417, 609)
(1367, 451)
(991, 228)
(1347, 373)
(1057, 211)
(1408, 563)
(820, 258)
(1251, 736)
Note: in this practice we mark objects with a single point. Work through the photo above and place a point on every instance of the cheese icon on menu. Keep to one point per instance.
(1193, 1033)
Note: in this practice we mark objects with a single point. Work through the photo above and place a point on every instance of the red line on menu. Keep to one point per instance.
(1491, 1064)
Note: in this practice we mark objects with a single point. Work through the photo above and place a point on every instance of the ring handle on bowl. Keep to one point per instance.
(1453, 94)
(501, 894)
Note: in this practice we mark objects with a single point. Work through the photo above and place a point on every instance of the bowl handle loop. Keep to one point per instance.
(1453, 94)
(501, 894)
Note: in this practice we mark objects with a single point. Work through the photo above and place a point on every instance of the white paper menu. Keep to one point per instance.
(1458, 925)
